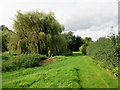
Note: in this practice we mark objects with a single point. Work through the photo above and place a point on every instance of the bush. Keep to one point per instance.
(83, 49)
(67, 53)
(7, 55)
(104, 51)
(22, 61)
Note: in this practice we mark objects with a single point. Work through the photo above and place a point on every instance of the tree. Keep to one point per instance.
(36, 32)
(118, 46)
(74, 42)
(5, 34)
(87, 39)
(83, 48)
(3, 27)
(105, 51)
(0, 40)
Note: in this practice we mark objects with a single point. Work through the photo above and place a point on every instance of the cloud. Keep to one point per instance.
(91, 14)
(95, 32)
(83, 17)
(95, 21)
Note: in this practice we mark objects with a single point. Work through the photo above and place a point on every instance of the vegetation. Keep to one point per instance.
(105, 52)
(5, 34)
(13, 62)
(36, 32)
(37, 35)
(74, 42)
(66, 72)
(83, 47)
(0, 40)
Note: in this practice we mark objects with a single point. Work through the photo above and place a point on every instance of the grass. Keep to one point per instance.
(75, 71)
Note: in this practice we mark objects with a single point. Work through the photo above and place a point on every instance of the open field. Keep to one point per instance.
(75, 71)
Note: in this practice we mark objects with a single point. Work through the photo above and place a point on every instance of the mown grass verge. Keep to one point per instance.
(75, 71)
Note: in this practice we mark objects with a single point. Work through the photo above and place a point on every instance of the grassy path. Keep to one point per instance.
(75, 71)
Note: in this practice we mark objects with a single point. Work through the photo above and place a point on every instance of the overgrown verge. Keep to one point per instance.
(105, 52)
(14, 62)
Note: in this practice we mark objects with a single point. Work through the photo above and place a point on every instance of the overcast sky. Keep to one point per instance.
(86, 18)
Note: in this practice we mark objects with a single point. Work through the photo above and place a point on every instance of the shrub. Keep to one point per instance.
(104, 51)
(67, 53)
(83, 49)
(22, 61)
(7, 55)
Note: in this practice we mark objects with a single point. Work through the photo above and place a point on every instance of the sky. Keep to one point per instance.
(86, 18)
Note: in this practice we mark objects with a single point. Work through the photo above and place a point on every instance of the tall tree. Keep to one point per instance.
(5, 34)
(74, 42)
(37, 32)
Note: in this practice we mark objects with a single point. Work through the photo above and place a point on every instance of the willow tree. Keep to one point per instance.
(36, 32)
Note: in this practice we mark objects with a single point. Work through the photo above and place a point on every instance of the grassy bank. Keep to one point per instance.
(75, 71)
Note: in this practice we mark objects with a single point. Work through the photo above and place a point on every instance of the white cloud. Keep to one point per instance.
(95, 32)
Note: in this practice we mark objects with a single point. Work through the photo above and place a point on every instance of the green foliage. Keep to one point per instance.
(13, 43)
(67, 53)
(66, 72)
(104, 52)
(5, 34)
(83, 48)
(36, 32)
(118, 46)
(6, 55)
(57, 45)
(21, 61)
(0, 40)
(74, 42)
(3, 27)
(87, 39)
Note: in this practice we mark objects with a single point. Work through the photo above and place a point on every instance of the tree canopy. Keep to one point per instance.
(5, 34)
(36, 32)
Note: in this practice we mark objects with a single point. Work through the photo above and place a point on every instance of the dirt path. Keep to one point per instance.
(46, 61)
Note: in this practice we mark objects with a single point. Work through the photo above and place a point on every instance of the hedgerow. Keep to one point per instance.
(106, 53)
